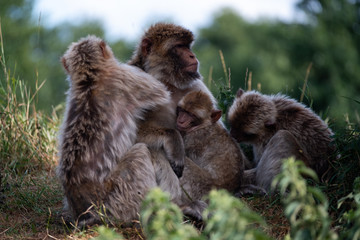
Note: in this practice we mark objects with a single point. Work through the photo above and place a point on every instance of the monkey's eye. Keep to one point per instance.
(179, 109)
(180, 45)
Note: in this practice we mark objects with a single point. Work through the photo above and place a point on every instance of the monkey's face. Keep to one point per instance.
(183, 58)
(186, 121)
(249, 117)
(172, 62)
(194, 111)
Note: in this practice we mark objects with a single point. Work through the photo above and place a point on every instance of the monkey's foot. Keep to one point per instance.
(250, 189)
(195, 210)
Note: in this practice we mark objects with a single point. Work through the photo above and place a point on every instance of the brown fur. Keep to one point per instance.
(258, 119)
(157, 55)
(165, 52)
(99, 163)
(219, 160)
(158, 131)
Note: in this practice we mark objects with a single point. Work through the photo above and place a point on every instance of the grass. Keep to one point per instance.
(31, 197)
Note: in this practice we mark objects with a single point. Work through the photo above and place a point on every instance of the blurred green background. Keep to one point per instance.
(276, 53)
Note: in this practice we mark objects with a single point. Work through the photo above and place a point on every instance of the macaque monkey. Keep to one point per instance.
(100, 165)
(219, 160)
(279, 127)
(165, 52)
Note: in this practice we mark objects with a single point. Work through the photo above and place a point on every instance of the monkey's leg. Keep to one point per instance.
(248, 184)
(167, 139)
(169, 182)
(166, 178)
(129, 183)
(281, 146)
(195, 183)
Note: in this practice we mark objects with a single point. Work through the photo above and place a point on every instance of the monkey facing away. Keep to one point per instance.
(279, 127)
(218, 162)
(99, 163)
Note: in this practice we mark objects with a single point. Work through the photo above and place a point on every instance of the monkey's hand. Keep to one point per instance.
(167, 139)
(174, 149)
(177, 168)
(194, 210)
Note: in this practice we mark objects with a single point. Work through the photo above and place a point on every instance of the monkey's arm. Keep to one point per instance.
(167, 139)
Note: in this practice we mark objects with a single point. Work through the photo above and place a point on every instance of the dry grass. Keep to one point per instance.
(33, 207)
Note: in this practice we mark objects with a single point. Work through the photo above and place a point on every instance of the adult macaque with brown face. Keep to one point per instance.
(165, 52)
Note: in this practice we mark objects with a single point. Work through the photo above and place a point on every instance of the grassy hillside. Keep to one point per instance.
(31, 197)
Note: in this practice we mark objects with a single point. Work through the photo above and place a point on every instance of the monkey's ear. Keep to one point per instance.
(215, 115)
(146, 46)
(104, 51)
(239, 93)
(63, 61)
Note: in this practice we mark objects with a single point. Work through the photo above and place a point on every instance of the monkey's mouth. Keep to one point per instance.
(181, 128)
(192, 67)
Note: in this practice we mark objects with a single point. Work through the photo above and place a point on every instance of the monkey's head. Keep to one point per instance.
(195, 111)
(165, 52)
(86, 55)
(252, 117)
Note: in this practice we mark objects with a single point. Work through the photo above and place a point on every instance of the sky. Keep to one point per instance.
(129, 19)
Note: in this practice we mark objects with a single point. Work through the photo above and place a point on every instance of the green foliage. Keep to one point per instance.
(26, 133)
(278, 53)
(107, 234)
(34, 50)
(230, 218)
(351, 218)
(306, 207)
(226, 218)
(346, 167)
(162, 219)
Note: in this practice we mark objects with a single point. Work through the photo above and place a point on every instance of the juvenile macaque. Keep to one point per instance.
(279, 127)
(99, 164)
(218, 162)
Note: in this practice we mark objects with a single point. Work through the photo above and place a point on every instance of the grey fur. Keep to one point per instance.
(98, 162)
(279, 127)
(154, 55)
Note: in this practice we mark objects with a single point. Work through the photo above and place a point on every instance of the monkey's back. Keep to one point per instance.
(307, 127)
(213, 149)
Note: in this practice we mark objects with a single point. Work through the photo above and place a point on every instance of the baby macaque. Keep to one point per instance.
(215, 159)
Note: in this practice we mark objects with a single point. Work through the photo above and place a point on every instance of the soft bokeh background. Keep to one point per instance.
(274, 40)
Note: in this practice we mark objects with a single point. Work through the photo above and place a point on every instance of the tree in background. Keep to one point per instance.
(33, 51)
(336, 56)
(278, 54)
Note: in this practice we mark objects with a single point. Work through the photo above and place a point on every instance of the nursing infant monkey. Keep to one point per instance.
(216, 159)
(279, 127)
